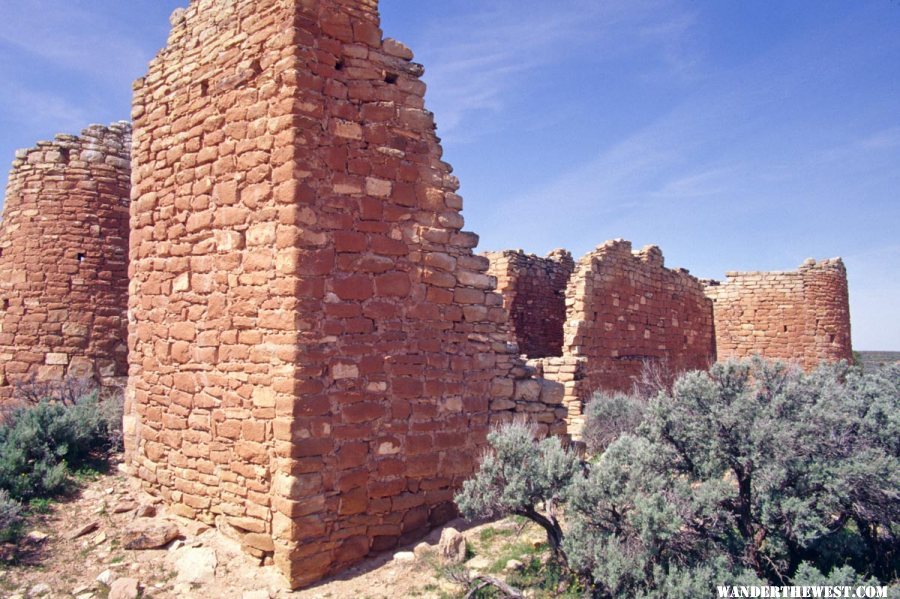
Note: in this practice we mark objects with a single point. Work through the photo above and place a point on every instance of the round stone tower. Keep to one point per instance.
(64, 259)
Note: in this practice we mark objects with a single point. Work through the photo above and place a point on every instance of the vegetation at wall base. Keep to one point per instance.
(43, 445)
(752, 473)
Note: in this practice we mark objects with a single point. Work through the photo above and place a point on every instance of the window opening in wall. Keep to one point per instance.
(785, 328)
(391, 78)
(4, 305)
(64, 155)
(80, 257)
(339, 65)
(204, 88)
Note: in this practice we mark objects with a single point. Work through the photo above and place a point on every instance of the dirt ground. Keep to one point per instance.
(204, 563)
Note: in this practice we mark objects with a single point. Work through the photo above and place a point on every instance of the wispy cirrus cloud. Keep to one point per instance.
(32, 108)
(70, 37)
(500, 49)
(706, 182)
(745, 145)
(882, 140)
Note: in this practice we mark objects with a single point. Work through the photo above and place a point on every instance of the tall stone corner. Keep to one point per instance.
(314, 347)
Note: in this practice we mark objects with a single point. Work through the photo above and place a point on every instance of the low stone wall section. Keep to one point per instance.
(534, 293)
(625, 309)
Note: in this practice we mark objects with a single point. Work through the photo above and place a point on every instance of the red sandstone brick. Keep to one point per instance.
(353, 287)
(394, 284)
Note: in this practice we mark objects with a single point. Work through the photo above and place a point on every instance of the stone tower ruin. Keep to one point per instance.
(801, 315)
(64, 259)
(610, 315)
(313, 345)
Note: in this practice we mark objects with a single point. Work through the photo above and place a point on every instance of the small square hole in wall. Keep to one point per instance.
(204, 88)
(4, 305)
(339, 65)
(391, 78)
(80, 257)
(785, 328)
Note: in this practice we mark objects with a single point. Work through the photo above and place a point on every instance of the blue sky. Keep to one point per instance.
(735, 135)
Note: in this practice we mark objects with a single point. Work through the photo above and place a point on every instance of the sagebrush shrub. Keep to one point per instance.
(751, 472)
(39, 444)
(518, 476)
(607, 417)
(10, 516)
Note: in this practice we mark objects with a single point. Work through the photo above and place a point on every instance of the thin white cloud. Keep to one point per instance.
(882, 140)
(713, 181)
(680, 60)
(501, 46)
(72, 38)
(712, 144)
(38, 108)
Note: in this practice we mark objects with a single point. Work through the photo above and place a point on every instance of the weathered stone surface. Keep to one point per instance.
(404, 556)
(147, 533)
(145, 511)
(37, 536)
(84, 529)
(452, 546)
(259, 541)
(422, 550)
(479, 563)
(40, 589)
(513, 565)
(124, 588)
(124, 506)
(626, 309)
(195, 565)
(64, 260)
(801, 316)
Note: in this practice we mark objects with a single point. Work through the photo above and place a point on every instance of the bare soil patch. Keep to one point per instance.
(53, 560)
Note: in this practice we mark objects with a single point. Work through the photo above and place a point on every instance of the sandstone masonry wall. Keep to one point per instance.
(534, 293)
(801, 316)
(568, 375)
(313, 345)
(626, 308)
(64, 259)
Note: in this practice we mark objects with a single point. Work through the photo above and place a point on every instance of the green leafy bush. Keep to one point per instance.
(40, 444)
(607, 417)
(751, 472)
(10, 517)
(519, 475)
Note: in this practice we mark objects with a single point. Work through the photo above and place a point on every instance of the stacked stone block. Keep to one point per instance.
(64, 260)
(313, 345)
(566, 375)
(626, 309)
(534, 293)
(801, 316)
(535, 399)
